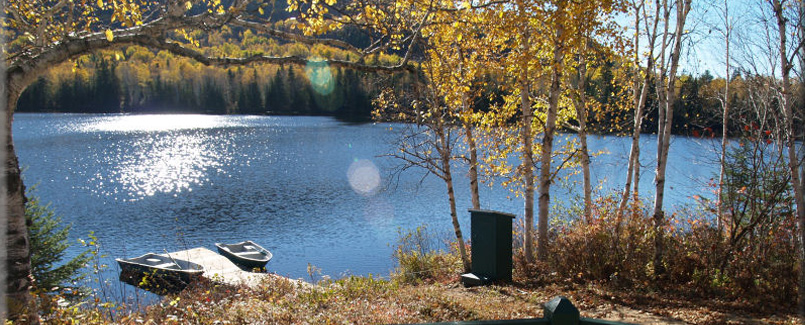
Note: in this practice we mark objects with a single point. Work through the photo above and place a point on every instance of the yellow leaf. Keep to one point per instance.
(109, 35)
(261, 11)
(188, 5)
(100, 3)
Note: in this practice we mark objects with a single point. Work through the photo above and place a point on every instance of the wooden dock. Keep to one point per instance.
(220, 269)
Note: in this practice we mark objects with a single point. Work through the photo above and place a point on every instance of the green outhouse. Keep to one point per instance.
(491, 241)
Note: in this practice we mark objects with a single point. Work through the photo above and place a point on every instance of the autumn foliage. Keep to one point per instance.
(758, 273)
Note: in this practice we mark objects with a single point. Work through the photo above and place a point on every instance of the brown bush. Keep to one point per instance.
(698, 261)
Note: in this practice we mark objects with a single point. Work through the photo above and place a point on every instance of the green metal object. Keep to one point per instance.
(491, 245)
(561, 312)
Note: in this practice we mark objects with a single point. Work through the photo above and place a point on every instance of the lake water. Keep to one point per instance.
(310, 189)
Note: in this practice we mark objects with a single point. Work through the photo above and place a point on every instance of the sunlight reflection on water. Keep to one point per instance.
(159, 122)
(171, 154)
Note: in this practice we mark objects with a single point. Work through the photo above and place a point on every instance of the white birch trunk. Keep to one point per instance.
(581, 116)
(444, 154)
(473, 150)
(724, 120)
(640, 95)
(18, 300)
(787, 103)
(668, 97)
(545, 177)
(525, 138)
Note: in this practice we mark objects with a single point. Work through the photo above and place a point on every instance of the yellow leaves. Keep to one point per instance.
(369, 12)
(188, 5)
(109, 35)
(260, 10)
(293, 5)
(100, 4)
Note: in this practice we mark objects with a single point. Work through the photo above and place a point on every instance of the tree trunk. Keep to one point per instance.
(659, 179)
(545, 177)
(633, 167)
(444, 154)
(724, 119)
(581, 115)
(668, 97)
(801, 209)
(18, 300)
(640, 95)
(528, 167)
(525, 137)
(787, 103)
(473, 148)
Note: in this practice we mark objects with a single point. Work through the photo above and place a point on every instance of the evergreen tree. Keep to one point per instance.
(48, 239)
(251, 101)
(277, 97)
(106, 88)
(213, 97)
(35, 98)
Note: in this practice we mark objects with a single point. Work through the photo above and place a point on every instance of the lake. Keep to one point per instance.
(312, 190)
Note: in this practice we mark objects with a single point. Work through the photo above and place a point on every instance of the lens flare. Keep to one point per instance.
(364, 177)
(320, 76)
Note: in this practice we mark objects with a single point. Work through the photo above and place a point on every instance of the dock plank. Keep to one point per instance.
(221, 269)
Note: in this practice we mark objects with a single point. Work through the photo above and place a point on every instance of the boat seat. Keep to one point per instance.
(165, 265)
(250, 254)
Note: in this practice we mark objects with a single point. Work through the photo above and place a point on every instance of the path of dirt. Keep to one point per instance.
(595, 303)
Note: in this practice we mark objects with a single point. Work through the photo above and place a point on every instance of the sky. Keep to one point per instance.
(704, 47)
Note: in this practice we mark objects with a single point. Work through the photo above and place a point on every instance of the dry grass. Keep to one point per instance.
(368, 300)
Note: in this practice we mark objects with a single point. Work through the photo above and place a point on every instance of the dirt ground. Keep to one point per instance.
(596, 303)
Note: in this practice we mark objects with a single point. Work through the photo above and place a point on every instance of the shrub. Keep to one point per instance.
(604, 247)
(760, 269)
(418, 261)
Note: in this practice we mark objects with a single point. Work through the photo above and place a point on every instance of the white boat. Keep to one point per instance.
(246, 254)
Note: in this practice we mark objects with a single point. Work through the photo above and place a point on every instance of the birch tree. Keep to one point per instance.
(538, 38)
(667, 97)
(459, 55)
(784, 18)
(44, 33)
(642, 81)
(599, 44)
(429, 141)
(726, 32)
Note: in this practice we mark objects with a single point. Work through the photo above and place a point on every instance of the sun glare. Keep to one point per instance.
(158, 122)
(320, 76)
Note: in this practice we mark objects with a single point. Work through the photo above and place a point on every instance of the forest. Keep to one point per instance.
(137, 80)
(490, 84)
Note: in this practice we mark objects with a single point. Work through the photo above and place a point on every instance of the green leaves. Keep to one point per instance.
(48, 240)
